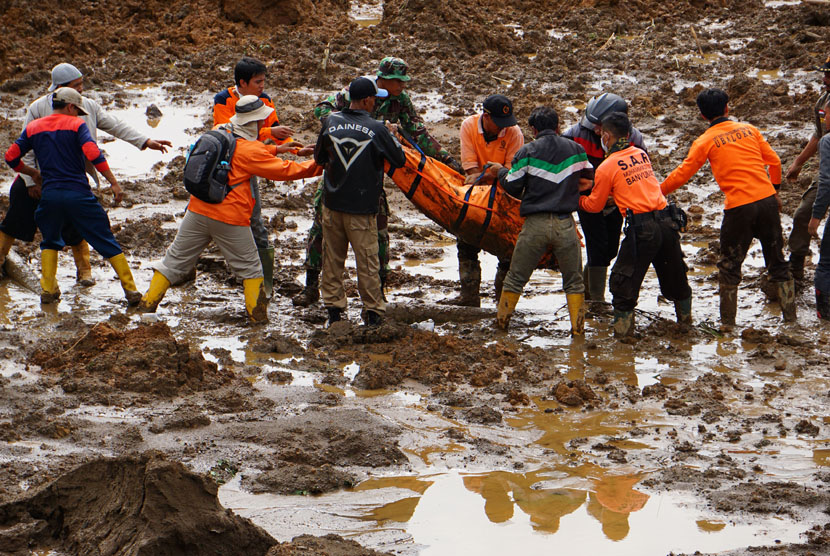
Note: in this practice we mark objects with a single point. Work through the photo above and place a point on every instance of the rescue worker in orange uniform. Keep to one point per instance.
(651, 235)
(249, 76)
(228, 223)
(739, 156)
(490, 137)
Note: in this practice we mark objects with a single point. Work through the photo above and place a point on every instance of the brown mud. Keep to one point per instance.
(88, 381)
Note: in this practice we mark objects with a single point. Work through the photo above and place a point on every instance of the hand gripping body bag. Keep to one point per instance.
(208, 166)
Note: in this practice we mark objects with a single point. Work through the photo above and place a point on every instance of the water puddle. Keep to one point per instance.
(543, 511)
(366, 14)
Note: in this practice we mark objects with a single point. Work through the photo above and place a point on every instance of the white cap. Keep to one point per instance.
(63, 74)
(250, 108)
(70, 96)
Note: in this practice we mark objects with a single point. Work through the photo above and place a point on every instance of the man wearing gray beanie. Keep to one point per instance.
(19, 222)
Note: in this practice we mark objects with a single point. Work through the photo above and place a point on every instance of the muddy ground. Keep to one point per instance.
(90, 389)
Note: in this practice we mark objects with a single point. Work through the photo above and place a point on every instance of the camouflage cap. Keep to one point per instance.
(393, 68)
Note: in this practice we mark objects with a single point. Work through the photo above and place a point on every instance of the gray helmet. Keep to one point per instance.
(600, 106)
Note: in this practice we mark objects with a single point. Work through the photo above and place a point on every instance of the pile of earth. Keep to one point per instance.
(146, 360)
(137, 506)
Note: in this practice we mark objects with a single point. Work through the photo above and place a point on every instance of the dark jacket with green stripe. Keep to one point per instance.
(545, 174)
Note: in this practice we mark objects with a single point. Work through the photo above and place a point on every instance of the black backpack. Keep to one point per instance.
(208, 165)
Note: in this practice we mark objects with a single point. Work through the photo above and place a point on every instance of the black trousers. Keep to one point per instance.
(602, 235)
(743, 224)
(652, 242)
(19, 221)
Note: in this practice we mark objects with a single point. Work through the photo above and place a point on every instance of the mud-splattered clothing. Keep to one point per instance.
(739, 156)
(602, 229)
(651, 239)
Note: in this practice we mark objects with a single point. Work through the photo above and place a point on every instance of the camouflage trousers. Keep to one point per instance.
(314, 242)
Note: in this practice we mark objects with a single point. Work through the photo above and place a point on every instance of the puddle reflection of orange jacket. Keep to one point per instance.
(739, 155)
(251, 158)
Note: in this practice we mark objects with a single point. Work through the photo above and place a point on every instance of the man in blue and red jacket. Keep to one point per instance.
(61, 142)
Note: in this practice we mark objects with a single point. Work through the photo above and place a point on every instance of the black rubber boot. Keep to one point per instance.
(373, 319)
(311, 292)
(335, 314)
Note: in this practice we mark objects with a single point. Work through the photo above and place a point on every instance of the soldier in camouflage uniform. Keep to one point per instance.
(397, 108)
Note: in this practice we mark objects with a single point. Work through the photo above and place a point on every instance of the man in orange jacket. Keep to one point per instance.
(739, 156)
(651, 236)
(249, 76)
(228, 223)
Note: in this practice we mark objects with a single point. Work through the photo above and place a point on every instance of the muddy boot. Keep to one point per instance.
(623, 323)
(507, 304)
(84, 270)
(498, 283)
(311, 292)
(786, 297)
(797, 267)
(6, 242)
(155, 293)
(683, 311)
(256, 303)
(266, 258)
(576, 310)
(595, 280)
(50, 293)
(335, 314)
(122, 269)
(728, 304)
(822, 304)
(470, 274)
(373, 319)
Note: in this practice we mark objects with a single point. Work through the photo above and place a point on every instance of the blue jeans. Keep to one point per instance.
(823, 268)
(81, 209)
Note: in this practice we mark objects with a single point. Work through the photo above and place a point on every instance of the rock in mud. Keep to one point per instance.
(145, 359)
(806, 427)
(330, 545)
(295, 478)
(573, 393)
(128, 506)
(153, 112)
(483, 415)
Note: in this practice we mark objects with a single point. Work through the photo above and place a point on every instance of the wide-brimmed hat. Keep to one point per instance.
(250, 108)
(69, 95)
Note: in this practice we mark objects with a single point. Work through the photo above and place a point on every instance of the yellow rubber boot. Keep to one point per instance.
(155, 293)
(256, 302)
(507, 304)
(84, 273)
(122, 269)
(6, 242)
(50, 292)
(576, 310)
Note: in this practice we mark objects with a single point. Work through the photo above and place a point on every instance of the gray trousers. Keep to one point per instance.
(258, 228)
(540, 231)
(799, 238)
(195, 233)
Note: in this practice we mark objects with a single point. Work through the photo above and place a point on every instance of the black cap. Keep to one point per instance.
(500, 109)
(363, 87)
(825, 67)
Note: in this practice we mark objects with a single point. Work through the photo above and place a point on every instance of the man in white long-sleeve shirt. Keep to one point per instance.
(19, 222)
